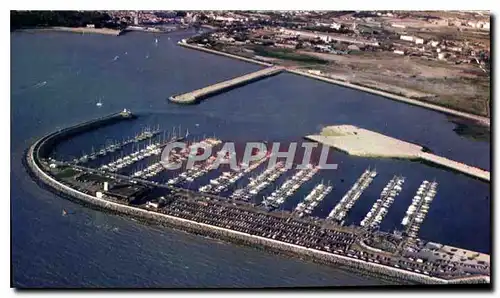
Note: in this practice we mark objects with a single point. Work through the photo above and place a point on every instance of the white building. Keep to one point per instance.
(418, 40)
(406, 37)
(353, 47)
(328, 37)
(323, 48)
(226, 39)
(136, 18)
(398, 25)
(229, 19)
(152, 204)
(414, 39)
(324, 38)
(336, 26)
(315, 72)
(472, 24)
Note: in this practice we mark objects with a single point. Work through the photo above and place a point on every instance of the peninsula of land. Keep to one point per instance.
(362, 142)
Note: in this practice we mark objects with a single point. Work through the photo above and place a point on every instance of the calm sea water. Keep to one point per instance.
(56, 79)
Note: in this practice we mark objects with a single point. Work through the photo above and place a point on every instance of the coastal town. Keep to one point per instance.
(435, 57)
(458, 38)
(441, 58)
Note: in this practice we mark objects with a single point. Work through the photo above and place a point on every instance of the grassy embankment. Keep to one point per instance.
(287, 54)
(476, 103)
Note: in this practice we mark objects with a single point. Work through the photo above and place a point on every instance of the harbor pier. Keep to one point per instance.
(199, 94)
(455, 165)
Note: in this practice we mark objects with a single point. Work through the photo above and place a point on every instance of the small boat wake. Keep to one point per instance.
(102, 226)
(66, 212)
(40, 84)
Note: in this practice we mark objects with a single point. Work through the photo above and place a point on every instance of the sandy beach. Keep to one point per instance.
(81, 30)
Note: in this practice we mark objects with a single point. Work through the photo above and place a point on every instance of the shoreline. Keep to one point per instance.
(479, 119)
(34, 167)
(250, 60)
(81, 30)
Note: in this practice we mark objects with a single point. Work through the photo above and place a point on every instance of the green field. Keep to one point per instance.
(286, 54)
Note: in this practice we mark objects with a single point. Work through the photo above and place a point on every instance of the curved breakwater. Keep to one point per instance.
(45, 144)
(34, 166)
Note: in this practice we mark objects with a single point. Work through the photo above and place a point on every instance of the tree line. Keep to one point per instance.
(31, 19)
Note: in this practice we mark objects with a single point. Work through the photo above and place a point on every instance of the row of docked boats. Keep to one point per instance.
(290, 186)
(224, 181)
(195, 172)
(417, 211)
(122, 162)
(221, 183)
(312, 200)
(379, 209)
(339, 212)
(149, 172)
(262, 181)
(157, 167)
(145, 134)
(178, 156)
